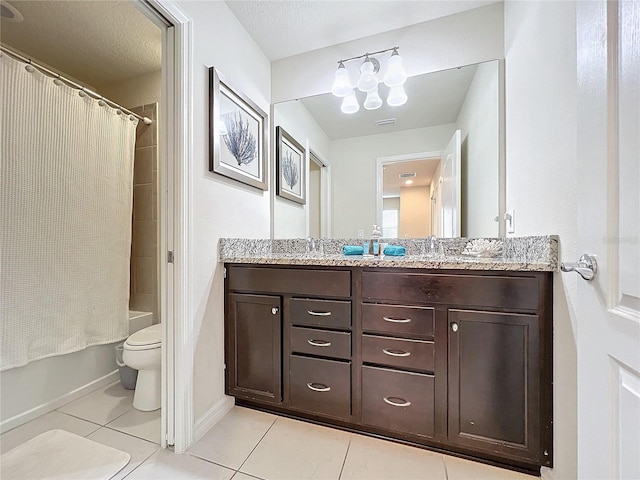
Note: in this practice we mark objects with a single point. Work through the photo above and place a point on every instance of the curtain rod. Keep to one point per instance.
(71, 83)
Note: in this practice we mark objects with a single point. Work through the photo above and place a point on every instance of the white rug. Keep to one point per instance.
(60, 455)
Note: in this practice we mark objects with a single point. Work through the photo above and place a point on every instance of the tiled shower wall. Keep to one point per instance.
(144, 241)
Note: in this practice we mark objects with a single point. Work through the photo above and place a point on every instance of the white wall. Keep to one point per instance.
(289, 218)
(541, 171)
(219, 207)
(353, 171)
(478, 121)
(415, 212)
(462, 39)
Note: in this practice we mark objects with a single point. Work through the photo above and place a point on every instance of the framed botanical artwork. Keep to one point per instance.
(238, 134)
(290, 167)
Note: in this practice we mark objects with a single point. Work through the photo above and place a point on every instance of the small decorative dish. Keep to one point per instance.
(482, 248)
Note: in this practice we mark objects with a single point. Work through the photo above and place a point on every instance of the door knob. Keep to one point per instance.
(274, 310)
(586, 267)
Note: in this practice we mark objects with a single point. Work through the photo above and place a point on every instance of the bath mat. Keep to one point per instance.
(60, 455)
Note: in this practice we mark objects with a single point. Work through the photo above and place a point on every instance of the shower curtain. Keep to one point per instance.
(66, 188)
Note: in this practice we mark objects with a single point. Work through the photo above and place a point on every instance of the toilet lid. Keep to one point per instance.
(147, 336)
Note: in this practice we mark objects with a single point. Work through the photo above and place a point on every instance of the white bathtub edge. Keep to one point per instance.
(35, 412)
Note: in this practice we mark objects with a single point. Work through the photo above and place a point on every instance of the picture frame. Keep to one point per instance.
(290, 167)
(238, 135)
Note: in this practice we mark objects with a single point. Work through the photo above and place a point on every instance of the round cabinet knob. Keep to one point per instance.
(454, 327)
(274, 310)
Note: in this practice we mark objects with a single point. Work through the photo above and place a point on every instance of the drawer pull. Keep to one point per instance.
(396, 320)
(319, 388)
(319, 343)
(396, 353)
(319, 314)
(396, 402)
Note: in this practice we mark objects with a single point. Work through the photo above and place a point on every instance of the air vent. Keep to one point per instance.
(386, 122)
(407, 175)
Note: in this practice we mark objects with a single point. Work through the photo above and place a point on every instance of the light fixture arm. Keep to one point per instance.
(394, 49)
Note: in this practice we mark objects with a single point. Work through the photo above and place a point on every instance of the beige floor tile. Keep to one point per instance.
(372, 459)
(164, 464)
(101, 406)
(50, 421)
(145, 425)
(232, 439)
(244, 476)
(139, 449)
(461, 469)
(298, 450)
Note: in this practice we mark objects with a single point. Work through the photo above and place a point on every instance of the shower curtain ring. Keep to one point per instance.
(30, 68)
(57, 81)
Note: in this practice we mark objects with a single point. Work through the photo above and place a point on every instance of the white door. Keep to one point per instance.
(450, 188)
(608, 309)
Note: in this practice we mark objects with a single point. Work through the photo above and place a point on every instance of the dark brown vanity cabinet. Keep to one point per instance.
(288, 338)
(320, 357)
(455, 360)
(494, 382)
(254, 347)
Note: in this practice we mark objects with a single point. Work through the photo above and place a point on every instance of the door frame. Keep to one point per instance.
(325, 194)
(382, 161)
(177, 414)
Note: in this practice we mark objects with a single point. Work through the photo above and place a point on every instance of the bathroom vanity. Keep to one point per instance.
(453, 354)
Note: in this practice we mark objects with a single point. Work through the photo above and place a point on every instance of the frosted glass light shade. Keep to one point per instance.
(341, 86)
(368, 80)
(350, 104)
(395, 72)
(373, 100)
(397, 96)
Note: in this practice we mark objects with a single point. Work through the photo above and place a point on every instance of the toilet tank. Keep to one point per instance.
(139, 320)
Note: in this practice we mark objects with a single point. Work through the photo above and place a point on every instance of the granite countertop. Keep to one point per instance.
(534, 254)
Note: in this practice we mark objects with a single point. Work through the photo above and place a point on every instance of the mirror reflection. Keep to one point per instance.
(430, 166)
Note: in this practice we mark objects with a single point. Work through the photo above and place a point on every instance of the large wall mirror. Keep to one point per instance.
(434, 165)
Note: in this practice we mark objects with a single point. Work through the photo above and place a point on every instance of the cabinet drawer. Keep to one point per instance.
(515, 292)
(321, 313)
(297, 281)
(398, 401)
(323, 343)
(320, 386)
(414, 322)
(395, 352)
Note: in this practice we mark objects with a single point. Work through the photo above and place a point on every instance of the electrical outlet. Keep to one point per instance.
(510, 221)
(360, 233)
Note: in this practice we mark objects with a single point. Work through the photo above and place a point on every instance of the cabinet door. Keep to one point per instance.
(254, 347)
(494, 387)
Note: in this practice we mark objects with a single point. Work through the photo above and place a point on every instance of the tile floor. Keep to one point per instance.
(245, 445)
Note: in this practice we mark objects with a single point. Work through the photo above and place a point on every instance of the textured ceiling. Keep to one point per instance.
(286, 28)
(433, 99)
(96, 42)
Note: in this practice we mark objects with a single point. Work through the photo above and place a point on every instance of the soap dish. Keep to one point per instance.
(482, 248)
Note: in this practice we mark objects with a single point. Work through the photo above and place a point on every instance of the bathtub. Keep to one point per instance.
(44, 385)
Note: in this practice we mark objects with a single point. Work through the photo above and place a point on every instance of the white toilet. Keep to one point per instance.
(142, 351)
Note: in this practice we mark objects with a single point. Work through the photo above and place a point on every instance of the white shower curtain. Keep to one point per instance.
(66, 187)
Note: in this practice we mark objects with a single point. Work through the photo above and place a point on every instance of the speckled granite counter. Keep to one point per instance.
(535, 254)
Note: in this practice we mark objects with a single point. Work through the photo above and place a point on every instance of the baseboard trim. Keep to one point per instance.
(212, 416)
(36, 412)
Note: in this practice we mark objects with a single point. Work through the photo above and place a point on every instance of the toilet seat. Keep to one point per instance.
(146, 339)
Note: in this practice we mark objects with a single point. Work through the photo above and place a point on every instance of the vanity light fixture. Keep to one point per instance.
(368, 81)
